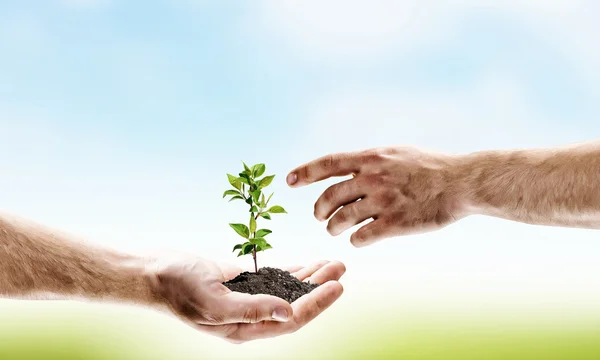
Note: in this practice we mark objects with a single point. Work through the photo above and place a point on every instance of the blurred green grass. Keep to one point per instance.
(71, 342)
(58, 346)
(81, 332)
(494, 341)
(462, 343)
(66, 331)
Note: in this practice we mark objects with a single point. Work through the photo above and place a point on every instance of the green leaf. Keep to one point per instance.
(248, 180)
(263, 232)
(262, 200)
(252, 224)
(247, 169)
(255, 196)
(263, 246)
(241, 229)
(269, 199)
(277, 210)
(238, 246)
(236, 198)
(247, 248)
(244, 180)
(254, 209)
(243, 175)
(258, 241)
(235, 182)
(249, 200)
(258, 170)
(265, 216)
(266, 181)
(240, 254)
(231, 192)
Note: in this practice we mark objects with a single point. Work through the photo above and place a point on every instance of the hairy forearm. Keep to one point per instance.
(38, 263)
(557, 186)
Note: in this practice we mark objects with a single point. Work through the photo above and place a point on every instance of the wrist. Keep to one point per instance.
(485, 179)
(467, 173)
(142, 279)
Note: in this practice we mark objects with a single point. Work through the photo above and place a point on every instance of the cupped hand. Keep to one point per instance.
(192, 290)
(404, 190)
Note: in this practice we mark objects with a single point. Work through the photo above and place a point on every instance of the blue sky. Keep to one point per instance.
(174, 67)
(119, 119)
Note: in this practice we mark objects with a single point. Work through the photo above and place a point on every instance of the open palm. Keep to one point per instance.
(194, 292)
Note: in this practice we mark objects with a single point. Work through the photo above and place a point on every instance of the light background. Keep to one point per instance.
(119, 119)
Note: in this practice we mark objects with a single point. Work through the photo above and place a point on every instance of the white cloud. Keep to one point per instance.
(338, 27)
(356, 32)
(494, 112)
(574, 32)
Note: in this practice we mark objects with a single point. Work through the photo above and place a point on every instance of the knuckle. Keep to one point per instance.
(393, 221)
(251, 315)
(372, 157)
(385, 199)
(407, 192)
(329, 195)
(211, 318)
(379, 151)
(329, 162)
(343, 215)
(305, 172)
(387, 150)
(373, 180)
(376, 154)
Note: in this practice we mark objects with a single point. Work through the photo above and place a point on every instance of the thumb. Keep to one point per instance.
(245, 308)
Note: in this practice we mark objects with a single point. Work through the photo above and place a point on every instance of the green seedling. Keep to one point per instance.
(248, 186)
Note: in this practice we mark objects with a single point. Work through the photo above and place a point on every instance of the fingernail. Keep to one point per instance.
(292, 178)
(280, 314)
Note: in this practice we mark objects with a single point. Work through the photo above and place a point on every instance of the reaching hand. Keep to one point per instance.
(404, 190)
(193, 291)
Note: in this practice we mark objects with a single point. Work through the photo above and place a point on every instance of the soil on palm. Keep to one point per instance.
(271, 281)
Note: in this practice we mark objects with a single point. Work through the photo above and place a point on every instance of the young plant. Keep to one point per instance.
(248, 186)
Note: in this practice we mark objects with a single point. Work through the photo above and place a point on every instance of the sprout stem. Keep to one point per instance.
(254, 235)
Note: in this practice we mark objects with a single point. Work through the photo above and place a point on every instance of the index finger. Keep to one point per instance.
(339, 164)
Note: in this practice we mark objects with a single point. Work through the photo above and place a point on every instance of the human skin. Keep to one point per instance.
(39, 263)
(406, 190)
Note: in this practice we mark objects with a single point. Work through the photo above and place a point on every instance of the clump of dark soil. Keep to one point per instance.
(271, 281)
